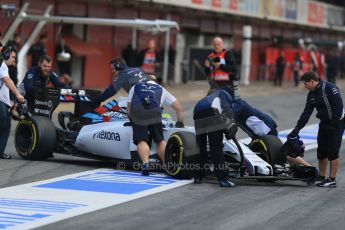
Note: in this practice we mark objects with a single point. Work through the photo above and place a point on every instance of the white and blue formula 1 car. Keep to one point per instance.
(106, 134)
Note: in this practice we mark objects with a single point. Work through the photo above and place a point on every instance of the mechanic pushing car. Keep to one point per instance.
(124, 77)
(326, 98)
(38, 78)
(257, 124)
(144, 110)
(213, 117)
(8, 57)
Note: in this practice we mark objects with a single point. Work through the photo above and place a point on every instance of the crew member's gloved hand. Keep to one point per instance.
(231, 129)
(293, 133)
(22, 108)
(227, 136)
(179, 124)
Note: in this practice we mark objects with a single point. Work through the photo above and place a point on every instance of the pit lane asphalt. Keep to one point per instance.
(251, 204)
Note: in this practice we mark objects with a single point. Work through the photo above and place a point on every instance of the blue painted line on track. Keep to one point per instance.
(111, 182)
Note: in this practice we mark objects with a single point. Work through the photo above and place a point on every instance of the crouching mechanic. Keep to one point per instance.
(144, 110)
(37, 78)
(326, 98)
(293, 148)
(212, 118)
(257, 124)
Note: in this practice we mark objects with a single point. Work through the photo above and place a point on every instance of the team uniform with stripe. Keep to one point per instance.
(327, 100)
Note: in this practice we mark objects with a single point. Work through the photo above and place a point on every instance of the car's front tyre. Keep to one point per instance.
(35, 138)
(269, 147)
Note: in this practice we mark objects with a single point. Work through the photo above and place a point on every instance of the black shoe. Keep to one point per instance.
(226, 183)
(5, 156)
(328, 183)
(145, 169)
(197, 180)
(145, 172)
(316, 182)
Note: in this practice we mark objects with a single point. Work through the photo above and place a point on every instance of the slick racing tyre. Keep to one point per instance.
(269, 148)
(180, 153)
(35, 138)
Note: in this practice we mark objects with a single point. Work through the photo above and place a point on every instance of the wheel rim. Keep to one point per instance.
(25, 139)
(174, 161)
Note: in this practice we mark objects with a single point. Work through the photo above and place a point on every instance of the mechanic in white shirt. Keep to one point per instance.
(144, 110)
(6, 84)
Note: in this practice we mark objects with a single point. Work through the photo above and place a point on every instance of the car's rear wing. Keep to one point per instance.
(47, 100)
(71, 95)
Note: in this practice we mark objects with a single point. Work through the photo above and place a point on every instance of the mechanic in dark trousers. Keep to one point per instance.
(8, 57)
(38, 77)
(144, 110)
(212, 118)
(124, 77)
(326, 98)
(220, 66)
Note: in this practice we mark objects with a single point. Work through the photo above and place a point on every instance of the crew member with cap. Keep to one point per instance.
(326, 98)
(144, 110)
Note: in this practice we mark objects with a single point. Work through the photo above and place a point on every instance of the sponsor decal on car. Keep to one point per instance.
(105, 135)
(44, 103)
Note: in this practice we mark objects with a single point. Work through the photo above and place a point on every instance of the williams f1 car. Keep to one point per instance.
(105, 133)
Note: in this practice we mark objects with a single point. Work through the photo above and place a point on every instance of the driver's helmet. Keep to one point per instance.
(293, 147)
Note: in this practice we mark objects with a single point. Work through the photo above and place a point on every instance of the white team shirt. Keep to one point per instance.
(4, 91)
(257, 126)
(217, 105)
(167, 98)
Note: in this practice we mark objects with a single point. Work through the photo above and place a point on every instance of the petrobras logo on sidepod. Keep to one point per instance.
(105, 135)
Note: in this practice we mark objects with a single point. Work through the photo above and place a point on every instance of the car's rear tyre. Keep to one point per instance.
(35, 138)
(180, 153)
(269, 147)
